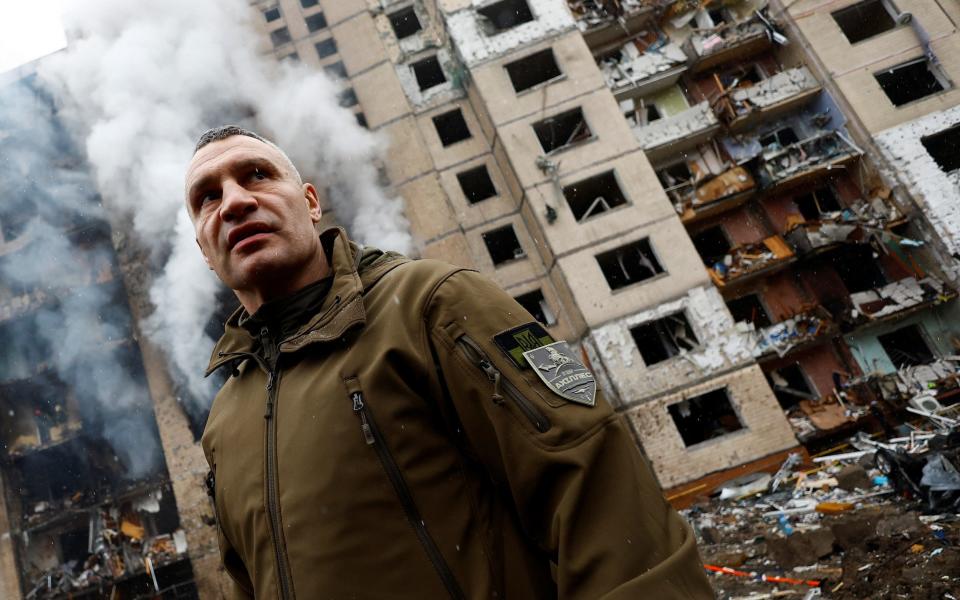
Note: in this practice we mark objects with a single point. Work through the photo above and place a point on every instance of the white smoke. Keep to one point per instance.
(140, 81)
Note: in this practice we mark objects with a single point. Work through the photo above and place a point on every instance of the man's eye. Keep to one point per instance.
(208, 197)
(259, 175)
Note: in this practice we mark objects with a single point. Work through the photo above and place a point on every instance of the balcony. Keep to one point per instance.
(919, 384)
(603, 23)
(724, 44)
(742, 106)
(642, 66)
(799, 330)
(857, 224)
(803, 161)
(899, 298)
(696, 201)
(748, 261)
(678, 132)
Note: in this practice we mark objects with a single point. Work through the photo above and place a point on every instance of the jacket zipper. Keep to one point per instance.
(273, 501)
(479, 358)
(373, 437)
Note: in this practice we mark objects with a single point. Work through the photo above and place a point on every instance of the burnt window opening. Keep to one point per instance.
(749, 309)
(451, 127)
(782, 138)
(718, 16)
(664, 338)
(594, 195)
(361, 120)
(404, 22)
(629, 264)
(503, 245)
(705, 417)
(944, 147)
(336, 70)
(428, 72)
(325, 48)
(790, 385)
(909, 81)
(476, 184)
(74, 546)
(347, 98)
(536, 305)
(504, 15)
(308, 3)
(814, 204)
(858, 269)
(316, 22)
(712, 245)
(906, 347)
(533, 70)
(271, 14)
(865, 19)
(560, 131)
(279, 37)
(675, 175)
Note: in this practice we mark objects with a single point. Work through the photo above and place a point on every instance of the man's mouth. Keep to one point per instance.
(247, 233)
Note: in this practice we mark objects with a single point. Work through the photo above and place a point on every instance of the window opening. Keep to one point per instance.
(664, 338)
(476, 184)
(347, 98)
(336, 70)
(292, 57)
(790, 385)
(451, 127)
(536, 305)
(909, 82)
(405, 23)
(503, 245)
(594, 195)
(718, 16)
(858, 269)
(705, 417)
(749, 309)
(504, 15)
(271, 14)
(279, 37)
(533, 70)
(560, 131)
(361, 120)
(864, 20)
(781, 138)
(308, 3)
(327, 47)
(712, 245)
(428, 73)
(316, 22)
(944, 147)
(906, 347)
(817, 202)
(629, 264)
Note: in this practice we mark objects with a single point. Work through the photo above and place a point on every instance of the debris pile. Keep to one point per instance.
(650, 53)
(878, 520)
(594, 13)
(743, 96)
(809, 324)
(120, 546)
(779, 163)
(704, 42)
(749, 258)
(684, 125)
(897, 296)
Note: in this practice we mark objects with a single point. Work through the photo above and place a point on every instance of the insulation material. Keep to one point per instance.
(821, 149)
(937, 192)
(787, 334)
(705, 43)
(898, 296)
(722, 344)
(775, 89)
(693, 121)
(475, 46)
(637, 60)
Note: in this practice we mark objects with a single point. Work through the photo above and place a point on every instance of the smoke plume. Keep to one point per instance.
(140, 81)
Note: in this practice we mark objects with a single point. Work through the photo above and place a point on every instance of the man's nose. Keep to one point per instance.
(237, 201)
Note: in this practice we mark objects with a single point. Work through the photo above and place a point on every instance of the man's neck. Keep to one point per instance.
(253, 299)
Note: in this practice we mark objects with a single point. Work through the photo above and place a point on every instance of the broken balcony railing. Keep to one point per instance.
(921, 386)
(789, 164)
(593, 17)
(636, 66)
(747, 260)
(802, 328)
(737, 104)
(710, 47)
(690, 196)
(676, 132)
(895, 298)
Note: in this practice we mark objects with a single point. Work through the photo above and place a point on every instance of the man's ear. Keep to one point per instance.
(204, 254)
(312, 198)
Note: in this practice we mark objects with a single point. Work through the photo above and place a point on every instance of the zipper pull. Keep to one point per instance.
(270, 378)
(493, 375)
(269, 411)
(357, 398)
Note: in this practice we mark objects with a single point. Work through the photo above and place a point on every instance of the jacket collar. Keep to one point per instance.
(341, 311)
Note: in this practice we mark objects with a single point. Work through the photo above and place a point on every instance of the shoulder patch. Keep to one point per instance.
(514, 342)
(558, 367)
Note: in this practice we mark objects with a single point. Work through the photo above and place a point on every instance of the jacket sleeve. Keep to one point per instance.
(579, 486)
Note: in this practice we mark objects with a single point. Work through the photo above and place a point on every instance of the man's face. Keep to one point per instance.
(254, 220)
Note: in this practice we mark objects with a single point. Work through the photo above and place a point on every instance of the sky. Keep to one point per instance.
(29, 30)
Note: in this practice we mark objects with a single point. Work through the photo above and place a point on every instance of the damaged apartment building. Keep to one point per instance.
(87, 506)
(682, 189)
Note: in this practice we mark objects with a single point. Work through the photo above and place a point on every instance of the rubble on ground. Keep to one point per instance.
(868, 519)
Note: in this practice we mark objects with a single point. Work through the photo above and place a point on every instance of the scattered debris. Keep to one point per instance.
(749, 258)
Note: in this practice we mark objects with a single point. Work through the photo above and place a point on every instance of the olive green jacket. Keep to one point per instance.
(394, 451)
